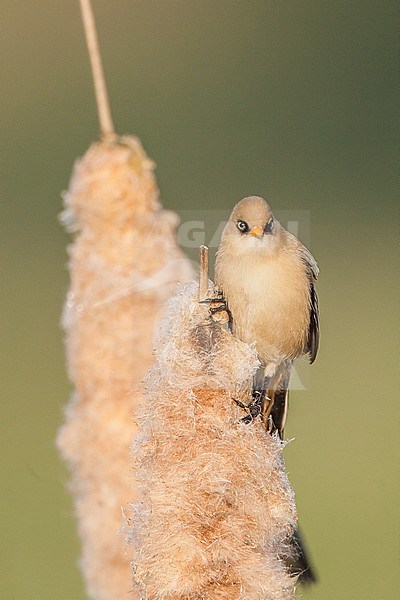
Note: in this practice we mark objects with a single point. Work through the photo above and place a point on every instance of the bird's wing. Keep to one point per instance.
(313, 326)
(310, 263)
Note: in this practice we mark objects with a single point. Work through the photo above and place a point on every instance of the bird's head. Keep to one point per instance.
(252, 226)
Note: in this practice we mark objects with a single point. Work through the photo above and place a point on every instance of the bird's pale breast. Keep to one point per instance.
(269, 301)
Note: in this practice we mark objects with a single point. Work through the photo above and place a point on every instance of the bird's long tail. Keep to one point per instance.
(274, 394)
(298, 562)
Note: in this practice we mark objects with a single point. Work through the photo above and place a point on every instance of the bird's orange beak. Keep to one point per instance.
(257, 231)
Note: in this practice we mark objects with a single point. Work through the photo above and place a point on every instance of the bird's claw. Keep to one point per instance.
(216, 297)
(218, 307)
(216, 302)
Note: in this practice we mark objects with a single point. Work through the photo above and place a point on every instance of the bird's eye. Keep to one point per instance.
(242, 226)
(269, 227)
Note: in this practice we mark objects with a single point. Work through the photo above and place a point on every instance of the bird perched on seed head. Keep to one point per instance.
(267, 278)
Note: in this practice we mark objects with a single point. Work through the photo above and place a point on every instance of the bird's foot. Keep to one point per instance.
(254, 409)
(216, 301)
(217, 306)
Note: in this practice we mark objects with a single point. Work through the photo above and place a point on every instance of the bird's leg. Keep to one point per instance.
(275, 413)
(266, 415)
(263, 389)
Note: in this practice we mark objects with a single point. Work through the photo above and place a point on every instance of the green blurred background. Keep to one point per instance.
(294, 100)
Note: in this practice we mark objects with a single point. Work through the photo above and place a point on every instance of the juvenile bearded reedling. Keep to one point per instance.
(267, 278)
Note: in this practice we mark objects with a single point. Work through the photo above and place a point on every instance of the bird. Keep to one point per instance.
(267, 278)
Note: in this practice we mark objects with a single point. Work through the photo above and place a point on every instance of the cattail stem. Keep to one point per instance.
(103, 104)
(203, 273)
